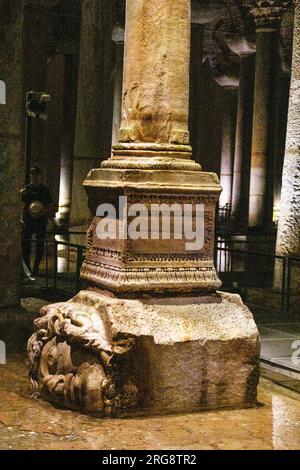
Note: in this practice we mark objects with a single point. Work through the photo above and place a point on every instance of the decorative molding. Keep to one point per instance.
(141, 266)
(150, 279)
(267, 13)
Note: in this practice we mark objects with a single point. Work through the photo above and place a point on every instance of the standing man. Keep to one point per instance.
(38, 206)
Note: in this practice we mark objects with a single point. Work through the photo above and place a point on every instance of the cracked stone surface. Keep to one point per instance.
(34, 424)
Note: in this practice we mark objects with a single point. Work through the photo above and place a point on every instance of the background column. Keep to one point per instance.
(67, 140)
(267, 15)
(288, 237)
(230, 84)
(196, 88)
(118, 38)
(228, 144)
(94, 100)
(243, 136)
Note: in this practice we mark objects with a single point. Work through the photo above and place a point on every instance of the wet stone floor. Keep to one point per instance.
(26, 423)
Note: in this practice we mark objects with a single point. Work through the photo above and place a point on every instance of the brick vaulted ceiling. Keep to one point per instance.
(234, 19)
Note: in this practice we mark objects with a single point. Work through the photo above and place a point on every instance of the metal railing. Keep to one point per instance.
(223, 215)
(245, 267)
(262, 278)
(61, 264)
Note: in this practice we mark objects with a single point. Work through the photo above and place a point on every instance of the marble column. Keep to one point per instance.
(267, 15)
(201, 15)
(55, 123)
(67, 141)
(11, 157)
(288, 237)
(230, 87)
(196, 70)
(151, 334)
(94, 100)
(243, 135)
(118, 38)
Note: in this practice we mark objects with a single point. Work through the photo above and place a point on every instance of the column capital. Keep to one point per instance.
(267, 14)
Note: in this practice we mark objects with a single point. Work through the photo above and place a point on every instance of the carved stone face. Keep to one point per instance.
(71, 376)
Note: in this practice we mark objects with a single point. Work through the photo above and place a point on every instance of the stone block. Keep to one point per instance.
(119, 357)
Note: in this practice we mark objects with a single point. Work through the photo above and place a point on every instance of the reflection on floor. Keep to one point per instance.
(26, 423)
(280, 340)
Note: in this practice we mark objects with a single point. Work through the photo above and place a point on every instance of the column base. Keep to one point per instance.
(151, 156)
(119, 357)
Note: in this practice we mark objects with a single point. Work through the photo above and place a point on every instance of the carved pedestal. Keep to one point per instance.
(151, 264)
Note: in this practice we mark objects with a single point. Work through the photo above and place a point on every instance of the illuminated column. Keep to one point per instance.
(230, 86)
(267, 15)
(243, 136)
(118, 38)
(67, 142)
(196, 88)
(94, 100)
(202, 13)
(228, 143)
(288, 237)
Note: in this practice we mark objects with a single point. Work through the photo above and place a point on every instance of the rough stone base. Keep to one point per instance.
(102, 354)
